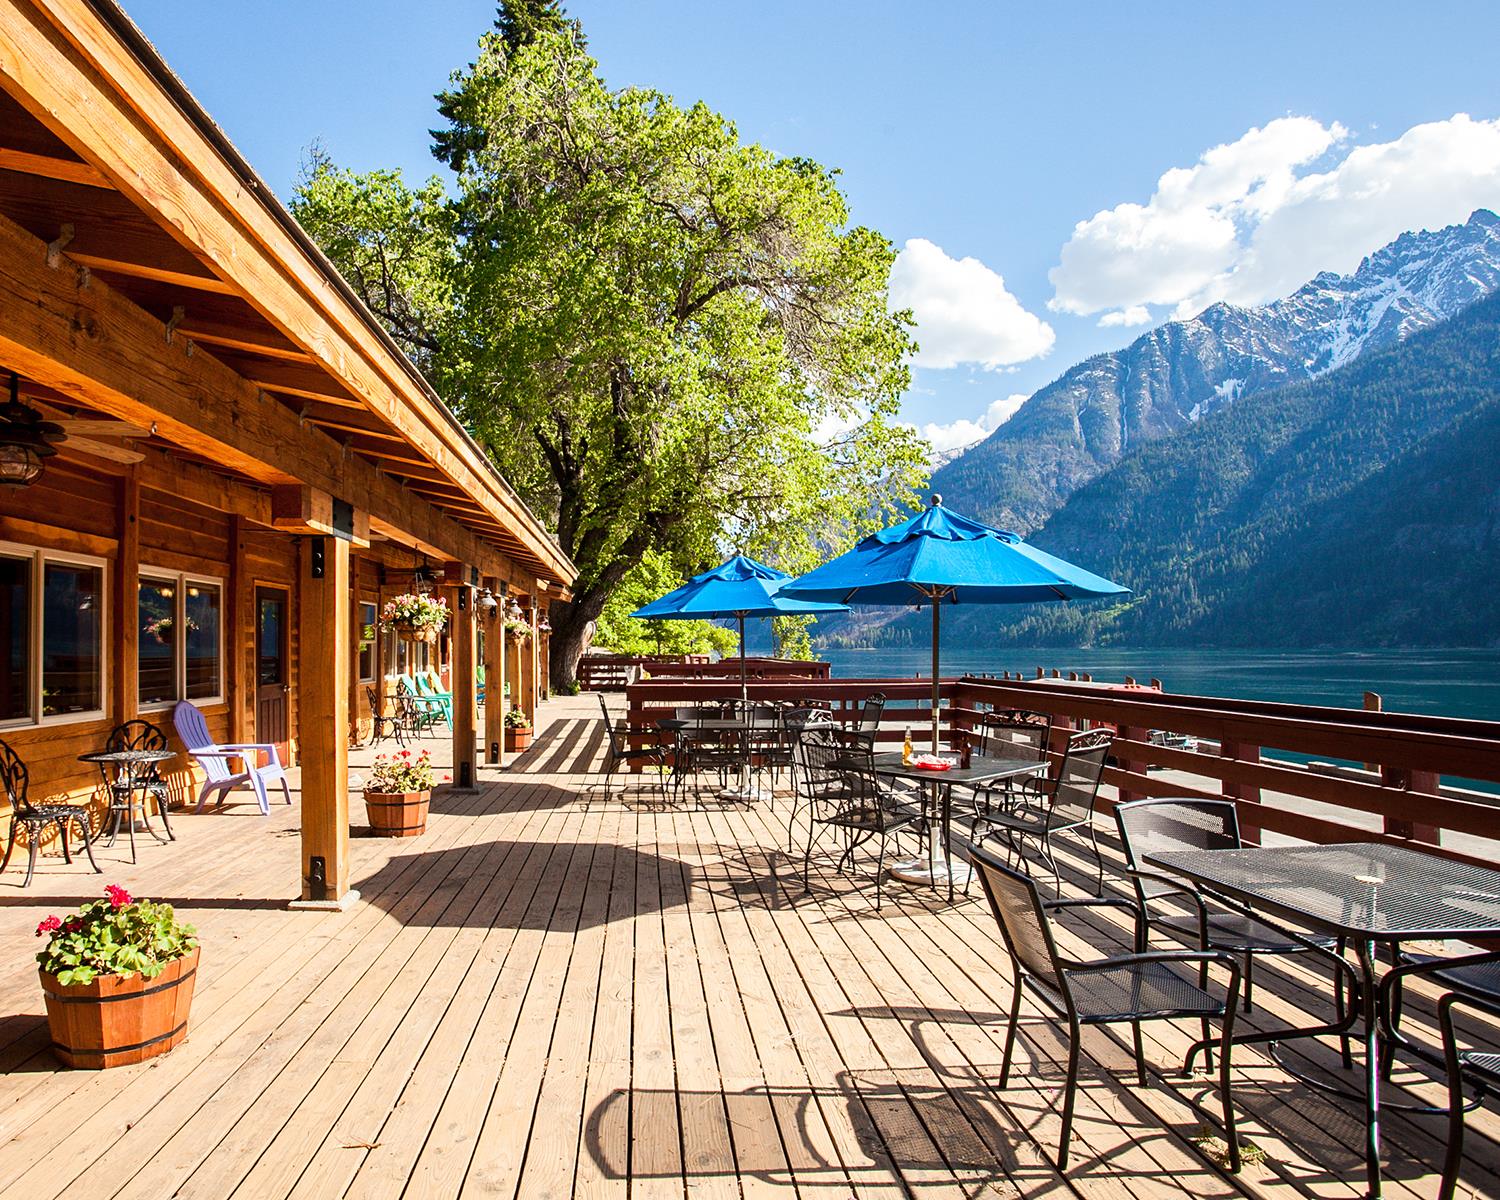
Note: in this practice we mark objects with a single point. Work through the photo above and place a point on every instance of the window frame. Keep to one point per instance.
(39, 557)
(181, 581)
(360, 604)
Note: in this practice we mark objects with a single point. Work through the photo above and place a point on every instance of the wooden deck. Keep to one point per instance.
(561, 991)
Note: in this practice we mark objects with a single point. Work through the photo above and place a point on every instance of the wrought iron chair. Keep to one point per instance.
(214, 758)
(137, 777)
(1475, 983)
(1152, 826)
(867, 729)
(621, 752)
(38, 818)
(1009, 733)
(382, 725)
(1125, 989)
(840, 793)
(419, 713)
(1060, 804)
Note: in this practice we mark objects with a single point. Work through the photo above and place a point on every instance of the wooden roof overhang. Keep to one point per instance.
(147, 273)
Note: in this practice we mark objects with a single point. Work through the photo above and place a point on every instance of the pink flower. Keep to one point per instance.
(118, 896)
(50, 925)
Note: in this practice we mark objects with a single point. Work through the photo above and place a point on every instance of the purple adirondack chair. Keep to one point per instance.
(215, 759)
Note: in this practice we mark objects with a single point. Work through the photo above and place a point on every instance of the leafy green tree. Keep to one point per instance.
(617, 630)
(670, 341)
(793, 637)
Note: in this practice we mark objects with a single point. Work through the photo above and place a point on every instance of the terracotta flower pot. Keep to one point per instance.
(397, 814)
(118, 1020)
(517, 739)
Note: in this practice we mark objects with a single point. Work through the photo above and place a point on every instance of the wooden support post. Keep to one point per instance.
(461, 685)
(494, 684)
(1373, 703)
(1244, 794)
(323, 721)
(1134, 734)
(531, 673)
(125, 603)
(237, 626)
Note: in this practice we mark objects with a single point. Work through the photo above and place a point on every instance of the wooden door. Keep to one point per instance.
(271, 678)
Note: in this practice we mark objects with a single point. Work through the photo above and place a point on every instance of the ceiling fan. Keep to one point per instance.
(44, 429)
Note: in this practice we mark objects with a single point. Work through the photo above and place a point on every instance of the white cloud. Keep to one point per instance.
(1250, 221)
(964, 312)
(1187, 233)
(1127, 318)
(964, 432)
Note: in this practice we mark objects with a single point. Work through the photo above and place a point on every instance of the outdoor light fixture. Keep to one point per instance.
(25, 440)
(487, 603)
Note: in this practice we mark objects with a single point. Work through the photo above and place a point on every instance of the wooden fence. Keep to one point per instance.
(1412, 752)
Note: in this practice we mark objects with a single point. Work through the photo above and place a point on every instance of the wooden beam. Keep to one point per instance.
(461, 686)
(125, 602)
(246, 338)
(75, 74)
(323, 719)
(297, 508)
(68, 170)
(80, 336)
(494, 683)
(140, 270)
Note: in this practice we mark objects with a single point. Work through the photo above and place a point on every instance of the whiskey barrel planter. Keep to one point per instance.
(118, 1020)
(517, 739)
(397, 814)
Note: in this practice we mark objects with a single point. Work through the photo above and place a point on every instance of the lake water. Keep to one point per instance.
(1450, 683)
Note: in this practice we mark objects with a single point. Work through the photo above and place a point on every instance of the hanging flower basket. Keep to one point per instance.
(415, 618)
(117, 977)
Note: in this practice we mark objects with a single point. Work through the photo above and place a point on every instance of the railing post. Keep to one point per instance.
(1418, 783)
(1135, 734)
(1245, 794)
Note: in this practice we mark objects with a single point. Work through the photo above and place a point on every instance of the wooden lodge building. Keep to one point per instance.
(248, 453)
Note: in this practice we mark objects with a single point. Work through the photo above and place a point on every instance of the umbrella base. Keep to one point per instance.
(743, 793)
(939, 873)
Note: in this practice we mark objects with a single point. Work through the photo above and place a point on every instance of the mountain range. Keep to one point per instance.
(1316, 471)
(1166, 380)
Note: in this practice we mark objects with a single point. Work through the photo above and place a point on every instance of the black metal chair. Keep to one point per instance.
(144, 778)
(38, 818)
(839, 792)
(1474, 981)
(1125, 989)
(1009, 733)
(417, 714)
(867, 728)
(703, 750)
(621, 752)
(382, 725)
(1150, 827)
(1058, 804)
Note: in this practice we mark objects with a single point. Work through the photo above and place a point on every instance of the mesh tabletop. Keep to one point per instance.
(1364, 889)
(128, 756)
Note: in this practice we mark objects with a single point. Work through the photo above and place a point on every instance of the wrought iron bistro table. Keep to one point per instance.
(1367, 893)
(129, 780)
(939, 867)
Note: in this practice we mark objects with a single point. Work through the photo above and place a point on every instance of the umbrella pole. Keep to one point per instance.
(744, 682)
(936, 623)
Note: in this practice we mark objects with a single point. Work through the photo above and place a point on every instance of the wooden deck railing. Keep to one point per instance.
(1413, 752)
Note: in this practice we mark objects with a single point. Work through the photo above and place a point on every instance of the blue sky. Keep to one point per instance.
(977, 131)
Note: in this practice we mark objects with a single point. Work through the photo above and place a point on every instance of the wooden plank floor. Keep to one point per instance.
(567, 989)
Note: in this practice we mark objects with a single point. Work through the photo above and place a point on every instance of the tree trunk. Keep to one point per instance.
(572, 633)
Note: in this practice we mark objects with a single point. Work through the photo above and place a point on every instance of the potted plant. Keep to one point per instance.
(415, 617)
(117, 978)
(397, 794)
(517, 729)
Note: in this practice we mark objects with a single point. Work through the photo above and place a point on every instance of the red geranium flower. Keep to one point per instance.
(118, 896)
(50, 925)
(447, 778)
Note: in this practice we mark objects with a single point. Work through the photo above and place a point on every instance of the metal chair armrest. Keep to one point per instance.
(1394, 978)
(1093, 902)
(1145, 958)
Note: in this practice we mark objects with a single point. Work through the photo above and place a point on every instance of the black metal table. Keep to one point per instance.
(1366, 892)
(939, 868)
(128, 763)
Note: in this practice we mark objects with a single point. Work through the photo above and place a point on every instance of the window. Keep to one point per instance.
(365, 635)
(15, 638)
(51, 636)
(179, 653)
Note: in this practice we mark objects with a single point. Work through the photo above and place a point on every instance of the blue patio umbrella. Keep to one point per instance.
(740, 588)
(940, 557)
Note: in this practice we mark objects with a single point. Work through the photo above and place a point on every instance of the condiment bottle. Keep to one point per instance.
(906, 749)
